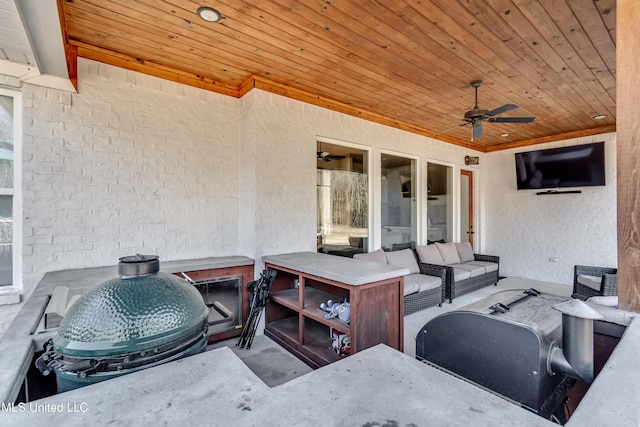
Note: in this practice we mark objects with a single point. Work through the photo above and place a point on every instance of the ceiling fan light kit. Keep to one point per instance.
(477, 115)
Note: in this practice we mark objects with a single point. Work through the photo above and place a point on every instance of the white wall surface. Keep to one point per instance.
(527, 230)
(130, 164)
(286, 134)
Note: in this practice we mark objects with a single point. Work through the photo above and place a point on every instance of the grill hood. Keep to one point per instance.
(131, 313)
(137, 320)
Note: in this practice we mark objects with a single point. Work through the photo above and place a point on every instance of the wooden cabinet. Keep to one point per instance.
(294, 320)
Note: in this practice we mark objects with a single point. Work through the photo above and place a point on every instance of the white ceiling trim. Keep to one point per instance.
(31, 37)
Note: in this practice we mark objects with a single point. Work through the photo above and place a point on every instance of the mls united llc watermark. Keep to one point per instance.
(68, 407)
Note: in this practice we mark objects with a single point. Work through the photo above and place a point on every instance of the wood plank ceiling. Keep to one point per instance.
(403, 63)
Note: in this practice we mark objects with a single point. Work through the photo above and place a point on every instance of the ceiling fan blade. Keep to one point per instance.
(500, 110)
(451, 128)
(511, 119)
(476, 130)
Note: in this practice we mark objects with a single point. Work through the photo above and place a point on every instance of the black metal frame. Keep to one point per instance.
(454, 289)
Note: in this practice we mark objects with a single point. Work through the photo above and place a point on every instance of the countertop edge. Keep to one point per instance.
(340, 269)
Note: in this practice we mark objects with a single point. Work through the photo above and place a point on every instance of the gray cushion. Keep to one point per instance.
(448, 252)
(424, 281)
(610, 301)
(473, 269)
(411, 284)
(488, 266)
(460, 274)
(594, 282)
(429, 254)
(465, 251)
(403, 258)
(375, 256)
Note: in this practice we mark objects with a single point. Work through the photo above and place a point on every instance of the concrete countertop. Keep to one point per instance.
(378, 386)
(19, 343)
(340, 269)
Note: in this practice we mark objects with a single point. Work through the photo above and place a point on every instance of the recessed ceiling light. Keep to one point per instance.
(209, 14)
(504, 135)
(600, 116)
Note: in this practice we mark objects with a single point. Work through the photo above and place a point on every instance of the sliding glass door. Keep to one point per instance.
(439, 203)
(343, 199)
(398, 202)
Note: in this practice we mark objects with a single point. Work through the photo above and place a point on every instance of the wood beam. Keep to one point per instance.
(146, 67)
(309, 98)
(628, 153)
(559, 137)
(70, 52)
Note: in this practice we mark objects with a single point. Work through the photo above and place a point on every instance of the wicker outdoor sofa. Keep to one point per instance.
(465, 271)
(591, 281)
(425, 285)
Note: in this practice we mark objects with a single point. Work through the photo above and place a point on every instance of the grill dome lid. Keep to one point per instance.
(140, 310)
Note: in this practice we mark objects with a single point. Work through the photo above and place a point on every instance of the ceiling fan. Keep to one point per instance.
(476, 116)
(326, 156)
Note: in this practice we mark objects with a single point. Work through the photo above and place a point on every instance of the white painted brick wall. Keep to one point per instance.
(129, 164)
(286, 132)
(526, 230)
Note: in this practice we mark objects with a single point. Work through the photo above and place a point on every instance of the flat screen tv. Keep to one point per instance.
(574, 166)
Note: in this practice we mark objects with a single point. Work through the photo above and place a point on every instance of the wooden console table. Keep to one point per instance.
(293, 317)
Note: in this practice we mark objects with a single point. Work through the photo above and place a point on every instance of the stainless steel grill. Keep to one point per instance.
(526, 346)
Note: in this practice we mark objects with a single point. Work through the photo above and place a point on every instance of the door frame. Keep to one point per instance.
(469, 173)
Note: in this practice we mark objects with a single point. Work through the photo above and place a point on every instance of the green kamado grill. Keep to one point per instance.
(135, 321)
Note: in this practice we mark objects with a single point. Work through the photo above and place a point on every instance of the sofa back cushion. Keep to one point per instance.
(375, 256)
(429, 254)
(403, 258)
(465, 251)
(448, 252)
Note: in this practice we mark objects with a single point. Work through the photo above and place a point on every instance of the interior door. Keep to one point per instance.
(466, 206)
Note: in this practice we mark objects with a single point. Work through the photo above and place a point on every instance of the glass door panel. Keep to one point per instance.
(439, 203)
(398, 202)
(466, 207)
(343, 199)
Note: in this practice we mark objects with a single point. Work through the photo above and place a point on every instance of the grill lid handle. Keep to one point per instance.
(138, 265)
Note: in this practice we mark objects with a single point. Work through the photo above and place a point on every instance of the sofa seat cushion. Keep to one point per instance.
(474, 270)
(489, 267)
(424, 281)
(448, 252)
(375, 256)
(411, 284)
(460, 274)
(593, 282)
(403, 258)
(429, 254)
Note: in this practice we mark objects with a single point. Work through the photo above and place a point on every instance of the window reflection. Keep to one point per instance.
(439, 203)
(398, 202)
(343, 199)
(6, 240)
(6, 186)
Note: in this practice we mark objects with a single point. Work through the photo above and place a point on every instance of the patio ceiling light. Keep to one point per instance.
(209, 14)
